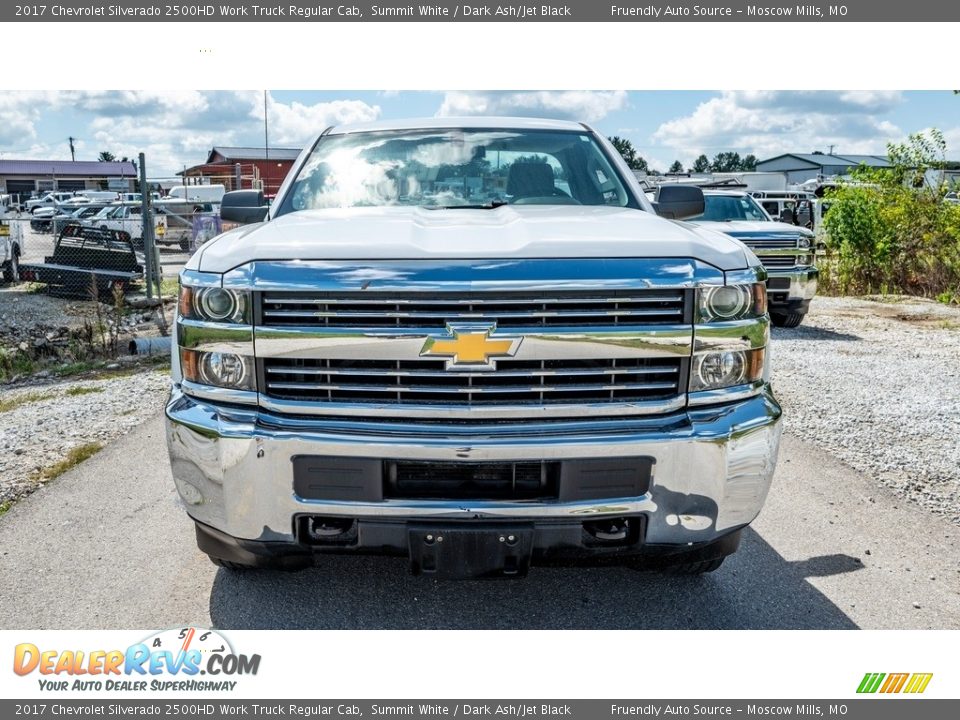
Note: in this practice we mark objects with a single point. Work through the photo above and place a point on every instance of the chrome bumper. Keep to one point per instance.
(803, 282)
(713, 466)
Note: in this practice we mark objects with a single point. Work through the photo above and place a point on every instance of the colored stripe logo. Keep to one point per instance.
(913, 683)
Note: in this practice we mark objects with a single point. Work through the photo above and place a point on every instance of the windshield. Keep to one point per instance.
(721, 208)
(456, 168)
(106, 212)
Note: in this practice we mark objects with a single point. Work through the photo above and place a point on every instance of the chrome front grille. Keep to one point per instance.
(781, 243)
(778, 261)
(515, 382)
(426, 310)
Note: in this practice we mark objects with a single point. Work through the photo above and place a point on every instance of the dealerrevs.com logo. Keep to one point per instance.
(910, 683)
(168, 660)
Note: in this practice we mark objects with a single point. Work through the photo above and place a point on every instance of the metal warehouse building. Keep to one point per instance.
(23, 177)
(258, 167)
(814, 166)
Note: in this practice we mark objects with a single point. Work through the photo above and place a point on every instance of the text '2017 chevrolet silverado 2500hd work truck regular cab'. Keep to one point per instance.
(476, 344)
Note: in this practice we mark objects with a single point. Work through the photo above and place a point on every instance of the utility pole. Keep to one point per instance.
(266, 136)
(73, 154)
(151, 260)
(831, 149)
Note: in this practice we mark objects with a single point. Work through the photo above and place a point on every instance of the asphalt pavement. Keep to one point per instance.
(106, 545)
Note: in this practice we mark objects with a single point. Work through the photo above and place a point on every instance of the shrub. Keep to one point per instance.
(890, 231)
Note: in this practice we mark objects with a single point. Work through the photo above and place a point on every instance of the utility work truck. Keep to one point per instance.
(474, 343)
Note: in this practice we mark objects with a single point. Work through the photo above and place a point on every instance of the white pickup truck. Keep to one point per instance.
(50, 200)
(128, 217)
(11, 249)
(477, 344)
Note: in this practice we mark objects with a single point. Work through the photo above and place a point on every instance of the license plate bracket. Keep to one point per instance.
(460, 552)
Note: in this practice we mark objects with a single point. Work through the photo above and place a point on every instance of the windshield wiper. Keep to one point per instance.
(484, 206)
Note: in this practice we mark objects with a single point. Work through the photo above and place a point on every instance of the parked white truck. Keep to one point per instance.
(788, 252)
(128, 217)
(477, 344)
(11, 249)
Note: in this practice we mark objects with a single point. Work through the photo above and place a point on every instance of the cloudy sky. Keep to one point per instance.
(179, 128)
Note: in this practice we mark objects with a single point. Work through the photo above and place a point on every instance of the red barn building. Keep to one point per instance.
(259, 168)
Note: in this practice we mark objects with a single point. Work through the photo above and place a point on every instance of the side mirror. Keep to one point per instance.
(787, 216)
(677, 202)
(243, 206)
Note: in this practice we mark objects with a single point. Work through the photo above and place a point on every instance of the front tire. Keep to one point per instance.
(786, 320)
(11, 271)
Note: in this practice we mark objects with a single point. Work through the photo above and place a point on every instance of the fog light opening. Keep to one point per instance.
(325, 530)
(612, 531)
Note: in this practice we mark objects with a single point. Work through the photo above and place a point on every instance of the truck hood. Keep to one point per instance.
(753, 228)
(411, 233)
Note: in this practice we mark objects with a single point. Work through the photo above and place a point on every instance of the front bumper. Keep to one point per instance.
(791, 289)
(713, 467)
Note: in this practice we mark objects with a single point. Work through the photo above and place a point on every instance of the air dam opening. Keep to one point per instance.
(373, 480)
(488, 480)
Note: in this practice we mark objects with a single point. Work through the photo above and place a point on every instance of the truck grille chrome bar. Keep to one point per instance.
(407, 310)
(514, 382)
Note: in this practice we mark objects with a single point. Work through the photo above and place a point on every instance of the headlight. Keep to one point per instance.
(215, 304)
(804, 259)
(732, 302)
(226, 370)
(804, 242)
(727, 368)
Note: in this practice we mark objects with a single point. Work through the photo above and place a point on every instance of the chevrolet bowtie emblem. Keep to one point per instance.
(470, 347)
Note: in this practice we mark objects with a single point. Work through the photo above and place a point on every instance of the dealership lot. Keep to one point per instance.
(860, 528)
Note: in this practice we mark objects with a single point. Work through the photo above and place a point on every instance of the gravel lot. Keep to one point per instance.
(39, 433)
(876, 384)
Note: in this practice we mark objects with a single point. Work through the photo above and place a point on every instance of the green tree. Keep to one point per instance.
(726, 162)
(890, 231)
(629, 154)
(677, 167)
(749, 163)
(701, 164)
(106, 156)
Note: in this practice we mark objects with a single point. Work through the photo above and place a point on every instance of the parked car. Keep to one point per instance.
(532, 363)
(197, 193)
(787, 252)
(128, 217)
(50, 200)
(74, 215)
(98, 196)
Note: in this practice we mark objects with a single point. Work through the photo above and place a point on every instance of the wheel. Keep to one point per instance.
(11, 271)
(694, 568)
(786, 320)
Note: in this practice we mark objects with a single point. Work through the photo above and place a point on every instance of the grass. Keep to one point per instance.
(4, 506)
(99, 367)
(169, 287)
(15, 363)
(74, 457)
(83, 390)
(30, 397)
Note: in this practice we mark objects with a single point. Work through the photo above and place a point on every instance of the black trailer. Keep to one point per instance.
(88, 260)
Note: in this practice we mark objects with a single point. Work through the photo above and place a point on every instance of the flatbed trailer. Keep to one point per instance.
(88, 260)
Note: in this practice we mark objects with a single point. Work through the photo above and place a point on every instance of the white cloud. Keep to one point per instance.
(768, 123)
(295, 123)
(586, 105)
(174, 129)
